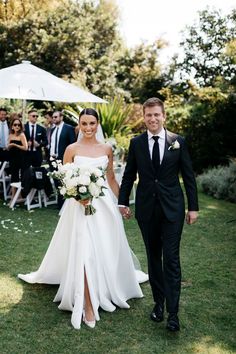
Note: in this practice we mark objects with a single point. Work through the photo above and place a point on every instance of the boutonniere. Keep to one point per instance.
(175, 145)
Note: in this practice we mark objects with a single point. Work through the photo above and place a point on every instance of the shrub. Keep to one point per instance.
(220, 182)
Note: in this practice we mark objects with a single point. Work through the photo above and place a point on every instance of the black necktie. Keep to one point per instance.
(156, 154)
(56, 142)
(32, 138)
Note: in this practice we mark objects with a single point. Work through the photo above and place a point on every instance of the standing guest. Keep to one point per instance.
(36, 138)
(4, 133)
(49, 125)
(62, 135)
(158, 156)
(17, 146)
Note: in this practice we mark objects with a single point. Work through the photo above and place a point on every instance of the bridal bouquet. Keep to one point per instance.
(80, 182)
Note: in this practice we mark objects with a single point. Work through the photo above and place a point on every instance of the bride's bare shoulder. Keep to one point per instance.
(106, 148)
(72, 148)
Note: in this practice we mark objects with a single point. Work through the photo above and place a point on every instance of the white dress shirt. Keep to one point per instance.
(161, 142)
(30, 133)
(53, 138)
(4, 134)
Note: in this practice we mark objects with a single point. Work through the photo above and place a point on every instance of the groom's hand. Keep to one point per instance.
(191, 217)
(125, 212)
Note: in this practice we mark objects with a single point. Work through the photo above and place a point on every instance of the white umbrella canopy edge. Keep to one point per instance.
(28, 82)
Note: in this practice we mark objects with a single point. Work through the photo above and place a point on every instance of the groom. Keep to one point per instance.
(158, 156)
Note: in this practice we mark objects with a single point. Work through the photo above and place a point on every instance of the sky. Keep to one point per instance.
(150, 19)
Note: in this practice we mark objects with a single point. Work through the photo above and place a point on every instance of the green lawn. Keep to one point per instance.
(31, 323)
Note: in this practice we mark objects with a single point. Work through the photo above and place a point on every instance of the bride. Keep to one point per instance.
(89, 256)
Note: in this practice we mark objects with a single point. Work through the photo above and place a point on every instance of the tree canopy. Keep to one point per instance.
(209, 48)
(79, 41)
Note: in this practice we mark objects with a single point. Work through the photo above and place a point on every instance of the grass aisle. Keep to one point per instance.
(31, 323)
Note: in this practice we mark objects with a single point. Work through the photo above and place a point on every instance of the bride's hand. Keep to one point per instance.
(125, 212)
(84, 202)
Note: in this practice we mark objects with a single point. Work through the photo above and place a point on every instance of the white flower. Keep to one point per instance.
(84, 180)
(63, 190)
(100, 182)
(54, 164)
(175, 145)
(85, 170)
(70, 182)
(66, 167)
(97, 172)
(94, 190)
(69, 173)
(82, 189)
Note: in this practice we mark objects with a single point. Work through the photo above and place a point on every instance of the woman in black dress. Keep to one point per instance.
(17, 146)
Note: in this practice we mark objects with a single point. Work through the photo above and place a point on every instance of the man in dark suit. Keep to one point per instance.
(36, 138)
(62, 135)
(4, 133)
(158, 156)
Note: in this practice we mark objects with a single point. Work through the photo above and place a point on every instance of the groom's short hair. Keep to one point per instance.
(154, 101)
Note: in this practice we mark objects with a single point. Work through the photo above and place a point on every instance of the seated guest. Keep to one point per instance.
(17, 146)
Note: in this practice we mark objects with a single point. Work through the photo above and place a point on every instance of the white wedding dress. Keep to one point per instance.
(95, 244)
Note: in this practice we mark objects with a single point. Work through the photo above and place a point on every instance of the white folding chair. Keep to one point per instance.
(5, 180)
(33, 199)
(17, 186)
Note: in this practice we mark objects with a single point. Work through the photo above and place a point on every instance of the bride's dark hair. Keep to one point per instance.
(90, 112)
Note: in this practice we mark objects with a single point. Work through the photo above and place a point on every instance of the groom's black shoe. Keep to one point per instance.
(173, 322)
(157, 313)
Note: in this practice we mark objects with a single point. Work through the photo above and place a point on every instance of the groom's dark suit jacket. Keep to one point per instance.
(165, 186)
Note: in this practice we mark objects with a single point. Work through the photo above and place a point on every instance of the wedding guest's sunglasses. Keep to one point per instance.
(16, 125)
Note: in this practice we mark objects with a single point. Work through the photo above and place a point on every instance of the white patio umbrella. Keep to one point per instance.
(28, 82)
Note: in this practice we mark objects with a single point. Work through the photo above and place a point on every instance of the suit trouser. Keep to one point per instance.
(162, 242)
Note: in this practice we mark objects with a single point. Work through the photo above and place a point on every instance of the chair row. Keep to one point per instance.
(36, 198)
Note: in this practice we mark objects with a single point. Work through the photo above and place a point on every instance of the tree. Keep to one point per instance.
(205, 46)
(139, 71)
(78, 41)
(14, 10)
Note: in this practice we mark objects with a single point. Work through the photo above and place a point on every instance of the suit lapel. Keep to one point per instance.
(145, 149)
(27, 129)
(168, 142)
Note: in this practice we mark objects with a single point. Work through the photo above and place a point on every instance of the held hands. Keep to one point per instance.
(191, 217)
(125, 212)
